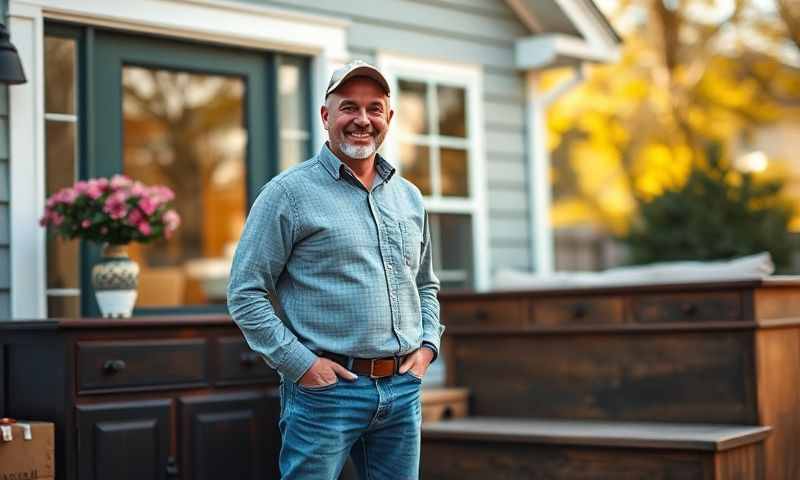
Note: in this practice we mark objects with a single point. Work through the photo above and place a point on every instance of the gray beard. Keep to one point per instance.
(360, 153)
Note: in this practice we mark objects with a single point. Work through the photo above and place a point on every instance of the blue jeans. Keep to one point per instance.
(376, 421)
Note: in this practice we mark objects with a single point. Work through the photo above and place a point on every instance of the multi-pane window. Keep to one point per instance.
(61, 153)
(433, 138)
(434, 145)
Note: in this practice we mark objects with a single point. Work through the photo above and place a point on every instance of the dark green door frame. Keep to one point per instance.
(107, 52)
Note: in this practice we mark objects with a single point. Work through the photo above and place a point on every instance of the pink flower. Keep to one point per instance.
(135, 216)
(161, 194)
(65, 195)
(120, 181)
(138, 189)
(116, 206)
(56, 218)
(171, 219)
(94, 189)
(144, 228)
(82, 187)
(148, 205)
(86, 223)
(103, 230)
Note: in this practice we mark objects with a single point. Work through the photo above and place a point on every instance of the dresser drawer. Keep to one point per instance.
(486, 313)
(238, 364)
(687, 307)
(141, 364)
(557, 312)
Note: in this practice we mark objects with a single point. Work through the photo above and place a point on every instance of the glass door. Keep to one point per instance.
(200, 120)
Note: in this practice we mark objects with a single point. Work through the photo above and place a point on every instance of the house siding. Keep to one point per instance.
(478, 32)
(5, 251)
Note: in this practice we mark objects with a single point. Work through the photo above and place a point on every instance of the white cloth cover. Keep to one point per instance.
(751, 267)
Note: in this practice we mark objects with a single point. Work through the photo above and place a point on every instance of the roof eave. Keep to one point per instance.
(553, 50)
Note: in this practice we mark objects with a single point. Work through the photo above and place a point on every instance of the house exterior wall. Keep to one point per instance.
(477, 32)
(5, 263)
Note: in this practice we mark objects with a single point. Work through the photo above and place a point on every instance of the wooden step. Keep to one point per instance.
(523, 448)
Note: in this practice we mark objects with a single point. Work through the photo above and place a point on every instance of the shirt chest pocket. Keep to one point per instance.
(411, 239)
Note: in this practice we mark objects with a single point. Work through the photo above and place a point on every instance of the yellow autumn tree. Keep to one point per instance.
(692, 74)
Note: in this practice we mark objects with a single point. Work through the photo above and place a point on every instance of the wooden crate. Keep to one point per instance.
(444, 403)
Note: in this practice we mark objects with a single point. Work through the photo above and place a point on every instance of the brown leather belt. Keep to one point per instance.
(374, 367)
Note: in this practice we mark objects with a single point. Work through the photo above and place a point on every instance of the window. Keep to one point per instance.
(294, 105)
(61, 154)
(436, 145)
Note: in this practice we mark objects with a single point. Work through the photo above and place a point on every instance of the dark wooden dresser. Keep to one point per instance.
(681, 381)
(144, 398)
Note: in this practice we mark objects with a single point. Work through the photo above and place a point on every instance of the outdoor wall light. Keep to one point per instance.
(11, 72)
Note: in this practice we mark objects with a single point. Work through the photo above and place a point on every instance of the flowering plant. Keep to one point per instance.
(116, 211)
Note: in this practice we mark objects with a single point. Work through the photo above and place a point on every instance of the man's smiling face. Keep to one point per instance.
(357, 117)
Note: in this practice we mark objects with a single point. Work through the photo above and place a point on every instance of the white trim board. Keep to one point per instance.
(470, 77)
(212, 21)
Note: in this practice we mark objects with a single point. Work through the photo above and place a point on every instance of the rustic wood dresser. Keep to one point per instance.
(144, 398)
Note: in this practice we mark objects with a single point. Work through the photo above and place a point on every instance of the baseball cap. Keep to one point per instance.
(356, 68)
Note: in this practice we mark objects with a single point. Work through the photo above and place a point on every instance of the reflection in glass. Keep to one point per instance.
(452, 264)
(59, 75)
(186, 131)
(293, 100)
(62, 255)
(64, 306)
(416, 166)
(411, 108)
(292, 152)
(293, 104)
(452, 108)
(455, 178)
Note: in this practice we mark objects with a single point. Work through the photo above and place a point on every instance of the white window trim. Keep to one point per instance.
(470, 77)
(215, 21)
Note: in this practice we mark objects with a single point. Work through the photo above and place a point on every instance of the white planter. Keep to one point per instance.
(115, 278)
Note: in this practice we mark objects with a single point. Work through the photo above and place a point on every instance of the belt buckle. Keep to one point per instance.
(372, 368)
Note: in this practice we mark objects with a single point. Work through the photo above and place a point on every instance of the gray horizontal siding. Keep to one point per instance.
(504, 86)
(504, 143)
(434, 18)
(502, 116)
(493, 8)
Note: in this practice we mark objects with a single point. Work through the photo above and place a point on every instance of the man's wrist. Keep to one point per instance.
(432, 348)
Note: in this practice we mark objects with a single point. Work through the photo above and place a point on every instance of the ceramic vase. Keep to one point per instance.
(115, 278)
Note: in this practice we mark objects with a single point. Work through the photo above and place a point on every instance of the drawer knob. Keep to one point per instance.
(689, 309)
(481, 315)
(579, 310)
(114, 366)
(172, 468)
(248, 359)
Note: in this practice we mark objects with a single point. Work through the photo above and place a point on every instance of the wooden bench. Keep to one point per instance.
(514, 448)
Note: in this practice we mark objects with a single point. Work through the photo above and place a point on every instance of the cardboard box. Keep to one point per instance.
(32, 459)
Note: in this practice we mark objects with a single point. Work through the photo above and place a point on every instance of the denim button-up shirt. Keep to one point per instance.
(350, 268)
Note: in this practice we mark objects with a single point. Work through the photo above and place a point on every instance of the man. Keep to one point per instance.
(344, 245)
